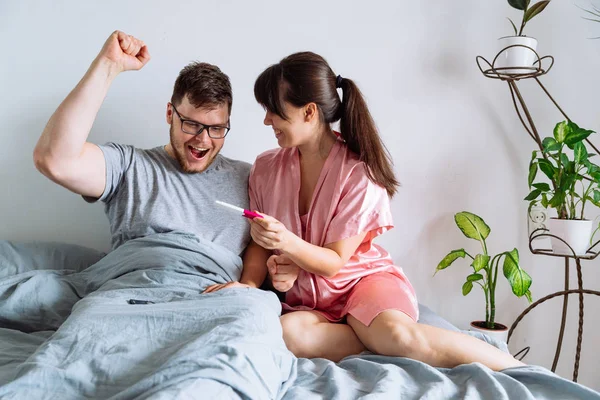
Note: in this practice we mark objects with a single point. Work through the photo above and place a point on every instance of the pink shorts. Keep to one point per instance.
(368, 298)
(379, 292)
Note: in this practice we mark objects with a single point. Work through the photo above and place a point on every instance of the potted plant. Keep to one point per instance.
(485, 272)
(574, 183)
(522, 54)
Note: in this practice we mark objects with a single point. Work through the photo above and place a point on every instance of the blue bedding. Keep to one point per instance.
(68, 331)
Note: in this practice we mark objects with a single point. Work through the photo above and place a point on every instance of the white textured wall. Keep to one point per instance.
(455, 139)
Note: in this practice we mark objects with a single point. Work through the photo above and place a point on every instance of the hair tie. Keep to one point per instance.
(338, 81)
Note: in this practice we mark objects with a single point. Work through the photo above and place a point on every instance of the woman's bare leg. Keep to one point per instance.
(309, 334)
(393, 333)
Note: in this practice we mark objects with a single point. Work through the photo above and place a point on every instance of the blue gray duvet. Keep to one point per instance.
(67, 331)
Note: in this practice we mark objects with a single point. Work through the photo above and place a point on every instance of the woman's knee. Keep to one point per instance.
(295, 332)
(399, 338)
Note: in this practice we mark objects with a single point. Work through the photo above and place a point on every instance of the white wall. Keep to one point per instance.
(454, 136)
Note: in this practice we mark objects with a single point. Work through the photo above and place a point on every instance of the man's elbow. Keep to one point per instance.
(39, 160)
(46, 165)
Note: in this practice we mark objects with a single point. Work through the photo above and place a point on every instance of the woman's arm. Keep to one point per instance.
(325, 261)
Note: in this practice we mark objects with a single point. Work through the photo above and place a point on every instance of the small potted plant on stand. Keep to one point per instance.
(522, 53)
(574, 183)
(485, 273)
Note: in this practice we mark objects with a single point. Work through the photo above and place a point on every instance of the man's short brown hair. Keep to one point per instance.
(205, 86)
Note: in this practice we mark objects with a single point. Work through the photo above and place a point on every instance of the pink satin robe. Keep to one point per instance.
(345, 203)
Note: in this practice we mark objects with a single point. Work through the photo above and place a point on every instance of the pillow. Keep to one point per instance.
(17, 258)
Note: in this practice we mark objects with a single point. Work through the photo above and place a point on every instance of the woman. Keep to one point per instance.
(324, 197)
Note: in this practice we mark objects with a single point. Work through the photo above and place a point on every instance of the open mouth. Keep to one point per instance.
(197, 152)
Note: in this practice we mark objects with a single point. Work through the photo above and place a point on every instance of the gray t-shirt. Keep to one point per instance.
(147, 192)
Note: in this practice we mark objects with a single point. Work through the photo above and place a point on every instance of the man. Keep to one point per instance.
(138, 317)
(164, 189)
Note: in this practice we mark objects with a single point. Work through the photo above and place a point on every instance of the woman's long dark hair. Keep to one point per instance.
(306, 77)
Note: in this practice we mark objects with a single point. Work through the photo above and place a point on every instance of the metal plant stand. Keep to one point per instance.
(541, 67)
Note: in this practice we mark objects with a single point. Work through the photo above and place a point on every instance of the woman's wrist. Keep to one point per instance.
(291, 244)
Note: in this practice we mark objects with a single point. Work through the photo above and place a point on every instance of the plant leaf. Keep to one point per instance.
(544, 187)
(547, 168)
(474, 277)
(568, 181)
(592, 168)
(466, 289)
(535, 10)
(596, 195)
(561, 130)
(519, 4)
(533, 195)
(557, 200)
(550, 144)
(533, 169)
(580, 152)
(472, 225)
(480, 261)
(519, 280)
(450, 258)
(596, 9)
(577, 135)
(528, 295)
(514, 26)
(533, 155)
(544, 200)
(596, 203)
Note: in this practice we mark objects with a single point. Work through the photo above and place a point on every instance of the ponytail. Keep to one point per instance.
(360, 133)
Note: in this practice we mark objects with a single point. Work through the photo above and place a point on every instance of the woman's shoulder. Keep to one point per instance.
(351, 163)
(354, 174)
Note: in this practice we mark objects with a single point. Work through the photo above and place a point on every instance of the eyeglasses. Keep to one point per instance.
(195, 128)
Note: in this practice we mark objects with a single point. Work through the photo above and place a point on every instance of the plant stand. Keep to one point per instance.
(534, 72)
(590, 255)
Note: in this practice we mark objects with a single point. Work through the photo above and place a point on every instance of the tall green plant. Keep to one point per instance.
(485, 267)
(528, 12)
(575, 180)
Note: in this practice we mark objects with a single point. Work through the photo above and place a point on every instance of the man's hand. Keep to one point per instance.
(235, 284)
(283, 272)
(125, 52)
(270, 234)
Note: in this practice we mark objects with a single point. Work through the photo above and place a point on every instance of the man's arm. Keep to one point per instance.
(255, 265)
(254, 272)
(62, 152)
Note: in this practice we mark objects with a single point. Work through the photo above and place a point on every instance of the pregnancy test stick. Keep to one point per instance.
(245, 213)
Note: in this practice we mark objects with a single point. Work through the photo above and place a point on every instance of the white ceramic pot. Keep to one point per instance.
(575, 232)
(514, 57)
(500, 332)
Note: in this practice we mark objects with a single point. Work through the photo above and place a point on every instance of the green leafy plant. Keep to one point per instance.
(575, 180)
(528, 12)
(485, 267)
(594, 15)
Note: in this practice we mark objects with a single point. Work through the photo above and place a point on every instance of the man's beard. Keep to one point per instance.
(181, 159)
